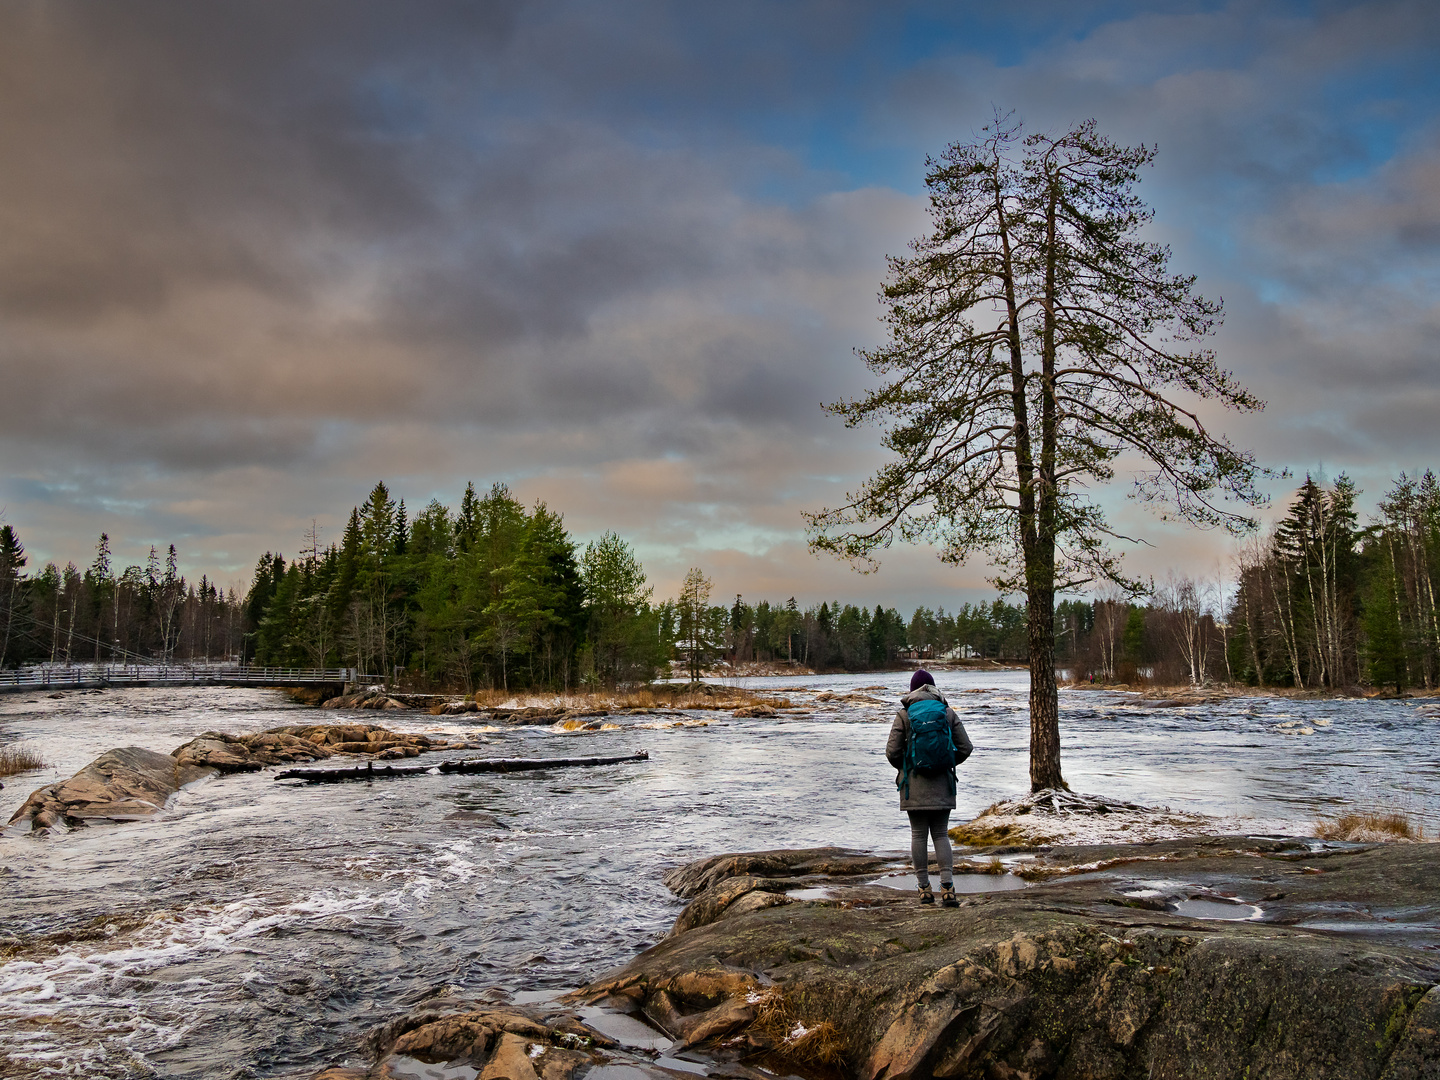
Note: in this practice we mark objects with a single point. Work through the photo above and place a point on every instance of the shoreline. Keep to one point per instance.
(1209, 692)
(804, 962)
(714, 687)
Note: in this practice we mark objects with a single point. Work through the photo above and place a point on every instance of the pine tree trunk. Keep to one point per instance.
(1319, 640)
(1044, 695)
(1434, 620)
(1287, 626)
(1039, 543)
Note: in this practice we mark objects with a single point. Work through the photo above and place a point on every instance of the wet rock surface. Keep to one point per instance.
(370, 739)
(754, 712)
(120, 785)
(131, 782)
(246, 753)
(500, 1040)
(692, 879)
(1305, 960)
(372, 698)
(521, 715)
(297, 743)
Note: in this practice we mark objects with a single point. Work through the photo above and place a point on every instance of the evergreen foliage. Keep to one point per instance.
(498, 595)
(145, 614)
(492, 595)
(1324, 602)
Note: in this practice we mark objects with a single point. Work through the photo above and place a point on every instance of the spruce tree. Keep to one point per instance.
(12, 562)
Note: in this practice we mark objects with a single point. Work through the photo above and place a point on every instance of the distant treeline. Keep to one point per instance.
(1321, 602)
(143, 613)
(1325, 602)
(495, 594)
(489, 594)
(855, 638)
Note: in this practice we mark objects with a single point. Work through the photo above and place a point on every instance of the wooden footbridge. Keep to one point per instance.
(105, 676)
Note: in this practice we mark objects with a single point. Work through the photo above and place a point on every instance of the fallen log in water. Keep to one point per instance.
(370, 771)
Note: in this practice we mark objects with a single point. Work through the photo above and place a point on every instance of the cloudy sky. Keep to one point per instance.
(255, 256)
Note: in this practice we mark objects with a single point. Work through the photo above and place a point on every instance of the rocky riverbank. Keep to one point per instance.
(1213, 957)
(1177, 697)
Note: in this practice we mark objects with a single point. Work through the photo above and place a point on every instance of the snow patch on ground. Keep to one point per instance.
(1065, 817)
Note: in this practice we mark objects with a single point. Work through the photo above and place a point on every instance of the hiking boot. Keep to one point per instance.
(926, 896)
(947, 895)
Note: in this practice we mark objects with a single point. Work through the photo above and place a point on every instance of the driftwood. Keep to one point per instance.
(473, 765)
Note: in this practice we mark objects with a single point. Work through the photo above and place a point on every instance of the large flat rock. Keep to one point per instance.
(1312, 962)
(298, 743)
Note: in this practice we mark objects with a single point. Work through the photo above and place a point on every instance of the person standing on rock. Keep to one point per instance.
(926, 742)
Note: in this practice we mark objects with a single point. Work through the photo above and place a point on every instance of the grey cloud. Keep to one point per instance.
(301, 246)
(238, 257)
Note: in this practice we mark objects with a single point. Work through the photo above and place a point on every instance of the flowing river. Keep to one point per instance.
(258, 929)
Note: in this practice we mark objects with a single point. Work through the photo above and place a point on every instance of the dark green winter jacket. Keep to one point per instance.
(926, 792)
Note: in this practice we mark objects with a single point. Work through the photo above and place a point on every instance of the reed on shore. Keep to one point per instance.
(18, 759)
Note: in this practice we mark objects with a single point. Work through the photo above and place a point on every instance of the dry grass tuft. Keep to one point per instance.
(1370, 827)
(987, 866)
(987, 835)
(818, 1044)
(17, 760)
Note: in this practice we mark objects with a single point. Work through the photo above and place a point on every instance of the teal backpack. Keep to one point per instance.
(930, 749)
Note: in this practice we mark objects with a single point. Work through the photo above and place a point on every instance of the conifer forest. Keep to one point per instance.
(495, 594)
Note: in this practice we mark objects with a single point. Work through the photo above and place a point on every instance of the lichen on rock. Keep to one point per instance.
(1063, 979)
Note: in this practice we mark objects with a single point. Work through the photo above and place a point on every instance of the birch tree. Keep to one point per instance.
(1034, 338)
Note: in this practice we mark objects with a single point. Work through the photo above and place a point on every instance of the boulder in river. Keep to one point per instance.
(357, 739)
(131, 783)
(754, 712)
(247, 753)
(373, 698)
(495, 1041)
(120, 785)
(453, 708)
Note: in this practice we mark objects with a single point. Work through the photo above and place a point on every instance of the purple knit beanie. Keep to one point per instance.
(920, 678)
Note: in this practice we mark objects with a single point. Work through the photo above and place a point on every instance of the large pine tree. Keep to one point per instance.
(1034, 338)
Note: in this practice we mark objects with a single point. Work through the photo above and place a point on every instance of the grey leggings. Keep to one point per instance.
(924, 826)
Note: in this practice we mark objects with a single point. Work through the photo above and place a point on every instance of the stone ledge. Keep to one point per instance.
(1062, 979)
